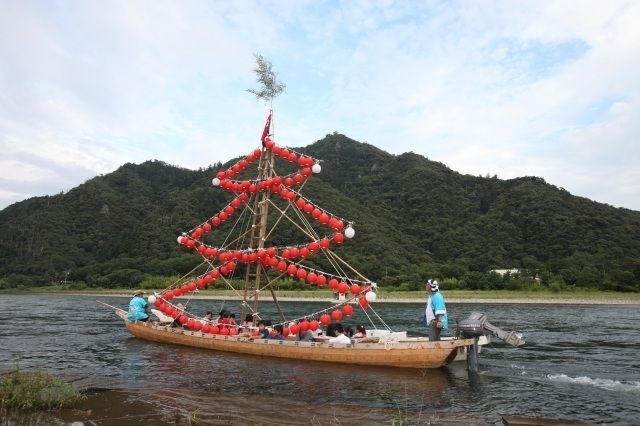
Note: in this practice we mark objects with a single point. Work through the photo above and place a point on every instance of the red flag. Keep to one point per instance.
(267, 126)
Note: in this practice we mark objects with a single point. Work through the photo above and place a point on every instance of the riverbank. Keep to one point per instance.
(453, 296)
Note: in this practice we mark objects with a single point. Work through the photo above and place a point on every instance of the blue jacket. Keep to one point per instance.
(137, 309)
(436, 306)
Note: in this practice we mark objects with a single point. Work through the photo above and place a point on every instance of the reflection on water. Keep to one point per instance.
(561, 373)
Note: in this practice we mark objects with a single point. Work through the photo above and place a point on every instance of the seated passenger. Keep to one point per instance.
(340, 336)
(360, 332)
(276, 334)
(263, 332)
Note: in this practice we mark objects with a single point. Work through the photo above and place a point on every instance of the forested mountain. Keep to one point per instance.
(414, 218)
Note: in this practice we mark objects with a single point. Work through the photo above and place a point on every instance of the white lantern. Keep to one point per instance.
(215, 181)
(179, 239)
(152, 299)
(316, 168)
(349, 232)
(370, 296)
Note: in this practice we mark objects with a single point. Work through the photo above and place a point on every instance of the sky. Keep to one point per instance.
(507, 88)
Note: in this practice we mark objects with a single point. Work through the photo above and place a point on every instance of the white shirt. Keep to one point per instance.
(340, 338)
(429, 311)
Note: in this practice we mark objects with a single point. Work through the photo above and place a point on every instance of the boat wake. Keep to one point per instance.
(607, 384)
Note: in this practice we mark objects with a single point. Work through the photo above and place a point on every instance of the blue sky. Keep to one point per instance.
(526, 88)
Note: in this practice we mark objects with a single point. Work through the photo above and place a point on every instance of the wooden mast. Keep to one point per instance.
(259, 223)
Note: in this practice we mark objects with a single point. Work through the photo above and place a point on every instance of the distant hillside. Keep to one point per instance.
(414, 218)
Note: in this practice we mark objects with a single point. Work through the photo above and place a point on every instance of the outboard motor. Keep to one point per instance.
(471, 328)
(477, 325)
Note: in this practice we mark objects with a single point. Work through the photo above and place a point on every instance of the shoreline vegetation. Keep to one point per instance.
(594, 297)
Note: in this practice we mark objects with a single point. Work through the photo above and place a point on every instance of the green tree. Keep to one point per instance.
(270, 87)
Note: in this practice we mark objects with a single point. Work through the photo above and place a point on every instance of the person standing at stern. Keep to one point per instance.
(435, 312)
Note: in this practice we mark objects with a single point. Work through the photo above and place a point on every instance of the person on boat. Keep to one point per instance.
(208, 316)
(225, 321)
(360, 332)
(221, 315)
(263, 332)
(340, 337)
(245, 326)
(276, 334)
(436, 311)
(248, 321)
(138, 307)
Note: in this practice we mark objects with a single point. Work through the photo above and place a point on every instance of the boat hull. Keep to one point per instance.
(410, 353)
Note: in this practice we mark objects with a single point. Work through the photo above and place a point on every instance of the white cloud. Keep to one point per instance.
(527, 88)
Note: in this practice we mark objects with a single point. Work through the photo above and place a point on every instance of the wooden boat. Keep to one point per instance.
(249, 251)
(410, 352)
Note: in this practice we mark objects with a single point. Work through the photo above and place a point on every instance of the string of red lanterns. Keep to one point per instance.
(270, 257)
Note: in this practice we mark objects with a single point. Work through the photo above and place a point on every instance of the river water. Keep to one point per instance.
(580, 362)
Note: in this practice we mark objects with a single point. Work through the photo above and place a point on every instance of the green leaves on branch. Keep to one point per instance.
(270, 88)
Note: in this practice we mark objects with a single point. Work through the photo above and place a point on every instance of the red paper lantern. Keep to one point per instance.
(325, 319)
(304, 325)
(336, 315)
(294, 329)
(338, 238)
(291, 269)
(197, 325)
(325, 243)
(321, 280)
(301, 274)
(224, 331)
(363, 302)
(347, 310)
(355, 289)
(215, 329)
(313, 325)
(206, 328)
(333, 284)
(343, 287)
